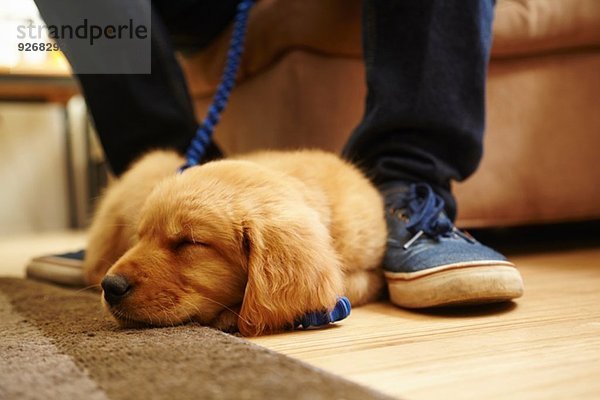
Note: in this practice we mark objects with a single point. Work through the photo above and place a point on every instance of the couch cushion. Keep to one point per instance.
(332, 27)
(523, 27)
(541, 144)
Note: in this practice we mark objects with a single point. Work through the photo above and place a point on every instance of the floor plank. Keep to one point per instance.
(545, 345)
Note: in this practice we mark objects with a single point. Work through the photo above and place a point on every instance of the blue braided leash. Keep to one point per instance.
(200, 142)
(203, 137)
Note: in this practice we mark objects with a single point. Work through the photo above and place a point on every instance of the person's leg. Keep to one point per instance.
(426, 64)
(137, 112)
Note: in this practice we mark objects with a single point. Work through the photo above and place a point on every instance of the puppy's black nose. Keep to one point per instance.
(115, 287)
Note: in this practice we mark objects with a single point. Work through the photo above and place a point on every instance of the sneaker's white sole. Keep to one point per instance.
(456, 284)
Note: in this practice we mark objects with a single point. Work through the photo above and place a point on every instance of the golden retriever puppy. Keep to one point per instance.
(251, 243)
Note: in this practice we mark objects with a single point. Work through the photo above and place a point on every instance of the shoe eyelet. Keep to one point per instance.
(401, 216)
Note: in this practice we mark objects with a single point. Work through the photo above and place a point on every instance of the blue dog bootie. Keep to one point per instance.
(340, 311)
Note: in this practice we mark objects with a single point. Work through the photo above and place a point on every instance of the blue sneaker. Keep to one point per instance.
(430, 263)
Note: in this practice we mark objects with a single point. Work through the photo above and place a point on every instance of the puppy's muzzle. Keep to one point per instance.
(116, 288)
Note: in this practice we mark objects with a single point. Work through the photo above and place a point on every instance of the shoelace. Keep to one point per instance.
(424, 211)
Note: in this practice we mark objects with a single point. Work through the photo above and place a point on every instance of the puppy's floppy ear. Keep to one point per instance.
(292, 269)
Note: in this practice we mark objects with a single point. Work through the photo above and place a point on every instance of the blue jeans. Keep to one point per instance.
(426, 64)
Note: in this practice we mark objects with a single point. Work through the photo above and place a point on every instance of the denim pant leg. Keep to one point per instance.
(426, 63)
(133, 113)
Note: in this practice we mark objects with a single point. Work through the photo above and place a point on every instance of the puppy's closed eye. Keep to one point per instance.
(181, 244)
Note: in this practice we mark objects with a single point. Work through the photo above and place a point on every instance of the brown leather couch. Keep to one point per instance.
(302, 85)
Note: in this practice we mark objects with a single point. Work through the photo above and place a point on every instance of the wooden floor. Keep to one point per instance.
(546, 345)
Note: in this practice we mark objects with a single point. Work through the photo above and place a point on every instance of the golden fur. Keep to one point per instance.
(249, 243)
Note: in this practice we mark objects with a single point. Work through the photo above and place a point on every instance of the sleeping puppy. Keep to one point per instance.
(249, 244)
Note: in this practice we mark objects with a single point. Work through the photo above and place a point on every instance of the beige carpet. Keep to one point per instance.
(58, 344)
